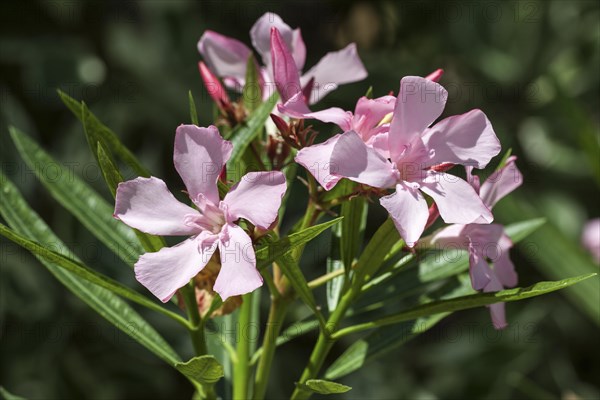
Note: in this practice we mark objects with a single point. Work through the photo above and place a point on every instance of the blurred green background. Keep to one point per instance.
(532, 66)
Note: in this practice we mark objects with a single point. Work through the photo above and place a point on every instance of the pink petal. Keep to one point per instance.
(408, 209)
(238, 273)
(498, 314)
(257, 197)
(317, 159)
(504, 269)
(199, 156)
(335, 68)
(380, 143)
(370, 112)
(590, 238)
(260, 34)
(285, 72)
(456, 199)
(501, 183)
(420, 102)
(472, 179)
(353, 159)
(466, 139)
(227, 57)
(479, 270)
(451, 237)
(146, 204)
(497, 310)
(171, 268)
(298, 49)
(334, 115)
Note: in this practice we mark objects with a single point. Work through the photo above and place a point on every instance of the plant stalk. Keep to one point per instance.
(241, 369)
(277, 313)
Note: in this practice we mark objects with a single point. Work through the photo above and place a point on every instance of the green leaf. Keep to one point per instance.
(292, 271)
(322, 386)
(245, 133)
(204, 369)
(378, 247)
(346, 240)
(353, 225)
(270, 252)
(193, 112)
(251, 93)
(26, 222)
(295, 330)
(334, 262)
(433, 265)
(84, 272)
(110, 172)
(520, 230)
(6, 395)
(94, 128)
(383, 340)
(399, 282)
(79, 199)
(466, 302)
(502, 162)
(369, 94)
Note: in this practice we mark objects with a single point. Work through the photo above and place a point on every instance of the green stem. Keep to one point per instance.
(280, 300)
(277, 313)
(241, 369)
(196, 331)
(324, 344)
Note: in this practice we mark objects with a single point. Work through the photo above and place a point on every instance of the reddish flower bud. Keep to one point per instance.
(281, 125)
(436, 75)
(214, 88)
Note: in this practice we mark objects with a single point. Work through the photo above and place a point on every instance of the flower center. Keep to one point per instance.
(210, 217)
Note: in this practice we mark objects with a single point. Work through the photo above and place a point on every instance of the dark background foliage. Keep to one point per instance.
(532, 66)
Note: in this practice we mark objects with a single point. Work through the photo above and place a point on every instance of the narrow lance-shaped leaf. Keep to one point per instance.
(520, 230)
(244, 134)
(268, 253)
(381, 341)
(6, 395)
(193, 112)
(354, 212)
(106, 136)
(292, 271)
(25, 221)
(466, 302)
(252, 93)
(334, 263)
(401, 282)
(376, 250)
(79, 199)
(84, 272)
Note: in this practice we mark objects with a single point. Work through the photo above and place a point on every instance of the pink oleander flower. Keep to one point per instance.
(417, 154)
(228, 57)
(490, 266)
(369, 121)
(591, 238)
(147, 205)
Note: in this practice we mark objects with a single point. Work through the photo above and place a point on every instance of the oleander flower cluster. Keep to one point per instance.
(395, 147)
(264, 177)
